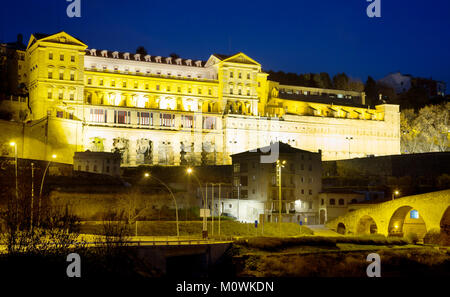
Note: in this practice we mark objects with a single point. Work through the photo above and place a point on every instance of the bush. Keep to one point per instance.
(432, 237)
(412, 237)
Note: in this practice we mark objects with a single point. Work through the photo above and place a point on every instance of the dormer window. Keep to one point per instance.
(158, 59)
(169, 60)
(115, 54)
(137, 57)
(198, 63)
(126, 56)
(104, 53)
(147, 58)
(93, 52)
(116, 68)
(178, 61)
(188, 62)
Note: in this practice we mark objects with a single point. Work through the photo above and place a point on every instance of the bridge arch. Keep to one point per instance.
(445, 222)
(341, 228)
(366, 225)
(407, 219)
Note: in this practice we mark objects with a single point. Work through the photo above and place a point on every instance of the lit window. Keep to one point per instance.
(414, 214)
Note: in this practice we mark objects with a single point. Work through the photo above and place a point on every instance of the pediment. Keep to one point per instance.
(241, 58)
(61, 38)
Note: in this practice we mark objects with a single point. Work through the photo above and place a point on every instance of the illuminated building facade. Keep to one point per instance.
(174, 111)
(256, 185)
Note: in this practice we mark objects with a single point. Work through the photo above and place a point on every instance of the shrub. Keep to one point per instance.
(412, 237)
(432, 237)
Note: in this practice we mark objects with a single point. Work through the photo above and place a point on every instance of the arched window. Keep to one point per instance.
(341, 201)
(332, 201)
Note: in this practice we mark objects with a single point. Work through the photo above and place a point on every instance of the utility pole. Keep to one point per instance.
(280, 164)
(220, 209)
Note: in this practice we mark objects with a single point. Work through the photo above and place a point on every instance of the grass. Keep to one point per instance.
(280, 244)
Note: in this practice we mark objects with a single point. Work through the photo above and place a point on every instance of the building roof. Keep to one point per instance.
(355, 101)
(283, 148)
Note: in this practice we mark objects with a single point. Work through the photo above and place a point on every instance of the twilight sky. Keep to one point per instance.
(332, 36)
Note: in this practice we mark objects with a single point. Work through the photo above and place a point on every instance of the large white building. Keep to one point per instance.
(173, 111)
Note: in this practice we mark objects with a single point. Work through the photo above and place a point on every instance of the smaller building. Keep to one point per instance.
(256, 184)
(97, 162)
(337, 203)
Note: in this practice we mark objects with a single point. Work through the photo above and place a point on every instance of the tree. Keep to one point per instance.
(141, 50)
(356, 85)
(371, 92)
(426, 130)
(326, 80)
(340, 81)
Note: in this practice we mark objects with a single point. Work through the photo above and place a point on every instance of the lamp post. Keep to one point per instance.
(280, 164)
(213, 206)
(42, 186)
(190, 171)
(349, 138)
(12, 143)
(395, 193)
(173, 197)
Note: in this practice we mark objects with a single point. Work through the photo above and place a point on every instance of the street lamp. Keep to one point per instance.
(395, 193)
(280, 164)
(190, 171)
(42, 186)
(349, 138)
(173, 197)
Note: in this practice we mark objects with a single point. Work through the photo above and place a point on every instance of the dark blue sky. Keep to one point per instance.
(294, 36)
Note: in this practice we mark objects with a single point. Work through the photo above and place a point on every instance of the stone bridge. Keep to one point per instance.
(418, 214)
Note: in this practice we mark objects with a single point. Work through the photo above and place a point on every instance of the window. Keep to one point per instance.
(189, 90)
(187, 121)
(135, 84)
(166, 120)
(414, 214)
(303, 191)
(72, 76)
(121, 117)
(209, 92)
(236, 167)
(95, 168)
(248, 75)
(240, 75)
(168, 88)
(332, 201)
(310, 167)
(59, 114)
(199, 91)
(101, 82)
(89, 98)
(248, 92)
(231, 74)
(310, 192)
(231, 90)
(50, 74)
(239, 92)
(124, 84)
(322, 202)
(72, 95)
(49, 94)
(60, 95)
(89, 81)
(72, 58)
(113, 83)
(310, 205)
(87, 167)
(97, 115)
(209, 123)
(50, 56)
(341, 201)
(146, 86)
(143, 118)
(179, 89)
(157, 87)
(61, 57)
(61, 75)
